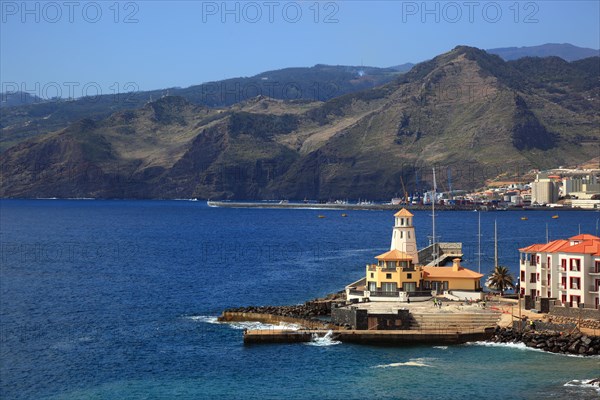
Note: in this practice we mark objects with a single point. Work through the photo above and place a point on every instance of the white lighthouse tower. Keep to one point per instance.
(403, 235)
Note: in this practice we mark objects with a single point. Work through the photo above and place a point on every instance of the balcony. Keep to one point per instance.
(381, 293)
(356, 292)
(594, 289)
(593, 271)
(544, 266)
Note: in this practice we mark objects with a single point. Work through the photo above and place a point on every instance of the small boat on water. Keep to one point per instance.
(555, 217)
(524, 218)
(321, 216)
(344, 215)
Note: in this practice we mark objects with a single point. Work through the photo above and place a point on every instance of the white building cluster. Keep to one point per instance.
(567, 270)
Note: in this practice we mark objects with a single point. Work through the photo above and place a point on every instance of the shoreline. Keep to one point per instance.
(310, 317)
(378, 207)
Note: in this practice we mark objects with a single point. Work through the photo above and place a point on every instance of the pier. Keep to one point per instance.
(381, 337)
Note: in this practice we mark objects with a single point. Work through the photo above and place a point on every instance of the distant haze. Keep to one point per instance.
(566, 51)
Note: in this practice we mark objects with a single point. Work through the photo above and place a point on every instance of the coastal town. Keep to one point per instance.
(558, 189)
(408, 296)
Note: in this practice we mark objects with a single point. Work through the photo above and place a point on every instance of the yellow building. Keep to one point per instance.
(397, 276)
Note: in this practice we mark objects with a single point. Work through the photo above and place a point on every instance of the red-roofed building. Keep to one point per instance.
(567, 270)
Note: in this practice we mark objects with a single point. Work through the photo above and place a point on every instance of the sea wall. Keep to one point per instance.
(555, 342)
(303, 314)
(576, 313)
(232, 316)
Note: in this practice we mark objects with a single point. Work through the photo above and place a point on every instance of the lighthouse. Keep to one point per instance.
(403, 235)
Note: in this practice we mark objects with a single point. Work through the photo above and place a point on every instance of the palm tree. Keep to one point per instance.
(500, 279)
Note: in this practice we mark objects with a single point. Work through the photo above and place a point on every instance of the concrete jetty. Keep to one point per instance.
(379, 337)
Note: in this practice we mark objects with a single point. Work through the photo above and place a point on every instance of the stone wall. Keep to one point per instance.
(349, 317)
(575, 312)
(584, 323)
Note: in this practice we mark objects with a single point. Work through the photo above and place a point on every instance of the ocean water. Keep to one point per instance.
(118, 300)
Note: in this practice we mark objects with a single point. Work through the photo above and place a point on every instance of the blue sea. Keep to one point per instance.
(118, 300)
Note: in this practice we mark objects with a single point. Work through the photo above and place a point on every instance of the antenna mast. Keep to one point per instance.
(479, 242)
(435, 252)
(495, 244)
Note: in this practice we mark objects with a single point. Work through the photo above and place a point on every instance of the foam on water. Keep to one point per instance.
(413, 362)
(522, 346)
(249, 325)
(326, 340)
(441, 347)
(593, 384)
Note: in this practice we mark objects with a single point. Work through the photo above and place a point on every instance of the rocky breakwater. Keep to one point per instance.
(309, 314)
(555, 342)
(308, 310)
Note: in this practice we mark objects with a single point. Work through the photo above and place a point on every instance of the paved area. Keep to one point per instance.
(380, 307)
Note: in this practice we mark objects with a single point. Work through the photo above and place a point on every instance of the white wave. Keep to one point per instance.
(441, 347)
(204, 318)
(585, 383)
(413, 362)
(522, 346)
(326, 340)
(249, 325)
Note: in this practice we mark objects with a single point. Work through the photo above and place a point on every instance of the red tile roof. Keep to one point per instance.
(585, 247)
(584, 236)
(586, 244)
(394, 255)
(447, 272)
(404, 213)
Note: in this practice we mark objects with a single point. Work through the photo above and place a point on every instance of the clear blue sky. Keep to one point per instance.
(159, 44)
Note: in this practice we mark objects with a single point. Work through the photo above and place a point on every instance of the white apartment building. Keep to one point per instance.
(544, 190)
(564, 269)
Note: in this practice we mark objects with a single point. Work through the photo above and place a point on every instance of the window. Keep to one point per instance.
(597, 266)
(537, 277)
(597, 285)
(372, 286)
(408, 234)
(522, 276)
(388, 276)
(389, 287)
(563, 264)
(564, 283)
(372, 275)
(549, 262)
(533, 260)
(408, 276)
(575, 283)
(575, 301)
(563, 298)
(575, 264)
(532, 278)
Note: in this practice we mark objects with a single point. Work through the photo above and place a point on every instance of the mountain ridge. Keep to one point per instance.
(467, 112)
